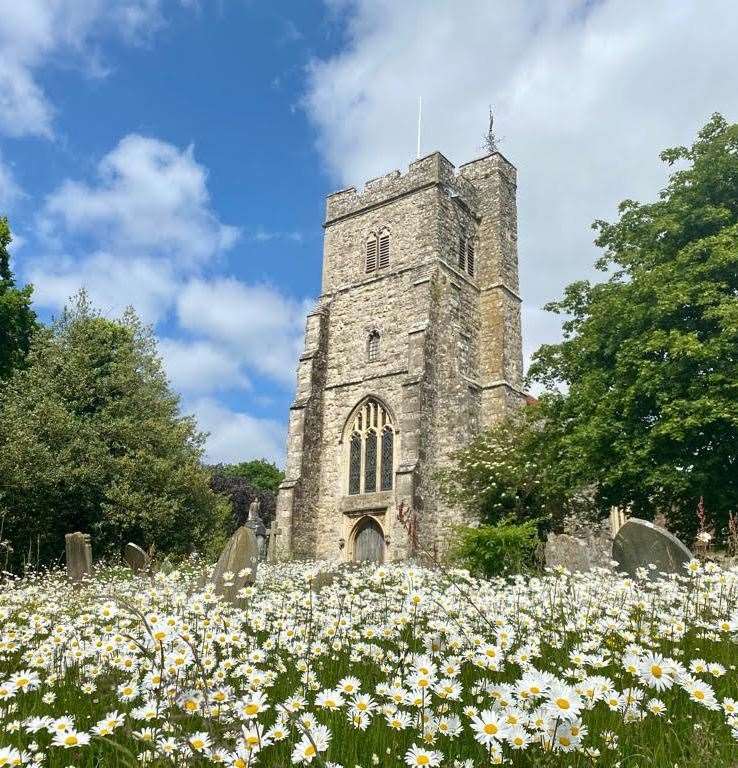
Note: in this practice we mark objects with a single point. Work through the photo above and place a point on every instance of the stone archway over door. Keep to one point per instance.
(369, 542)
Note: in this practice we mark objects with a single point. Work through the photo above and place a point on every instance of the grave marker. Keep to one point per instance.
(640, 543)
(136, 558)
(240, 558)
(79, 555)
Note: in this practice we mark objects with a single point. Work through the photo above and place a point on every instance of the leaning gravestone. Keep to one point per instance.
(640, 543)
(79, 555)
(136, 558)
(238, 560)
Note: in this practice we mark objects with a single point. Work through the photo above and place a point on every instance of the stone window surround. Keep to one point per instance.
(350, 429)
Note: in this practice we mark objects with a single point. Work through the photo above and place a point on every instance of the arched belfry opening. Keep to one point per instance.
(368, 541)
(370, 444)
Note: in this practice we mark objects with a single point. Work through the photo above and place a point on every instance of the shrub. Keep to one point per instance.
(496, 550)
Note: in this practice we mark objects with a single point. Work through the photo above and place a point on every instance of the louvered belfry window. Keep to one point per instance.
(371, 451)
(384, 249)
(462, 252)
(470, 256)
(371, 254)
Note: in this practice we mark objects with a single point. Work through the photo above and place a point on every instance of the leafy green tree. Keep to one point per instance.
(17, 319)
(258, 473)
(91, 439)
(643, 391)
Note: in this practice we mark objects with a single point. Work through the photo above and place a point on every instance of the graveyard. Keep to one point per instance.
(333, 667)
(251, 662)
(368, 384)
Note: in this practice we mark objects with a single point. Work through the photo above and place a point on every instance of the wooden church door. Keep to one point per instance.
(369, 542)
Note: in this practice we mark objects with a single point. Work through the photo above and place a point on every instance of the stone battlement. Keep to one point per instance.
(433, 169)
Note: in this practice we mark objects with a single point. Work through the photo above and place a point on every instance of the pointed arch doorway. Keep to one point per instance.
(368, 541)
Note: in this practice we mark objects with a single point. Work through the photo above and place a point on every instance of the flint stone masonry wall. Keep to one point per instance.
(450, 358)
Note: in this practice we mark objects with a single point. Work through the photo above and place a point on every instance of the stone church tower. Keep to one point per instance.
(413, 348)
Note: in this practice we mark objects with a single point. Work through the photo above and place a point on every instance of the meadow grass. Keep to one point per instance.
(388, 666)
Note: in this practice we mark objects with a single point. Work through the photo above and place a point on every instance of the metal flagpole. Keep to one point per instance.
(420, 115)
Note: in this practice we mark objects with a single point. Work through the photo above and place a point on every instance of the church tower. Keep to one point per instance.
(414, 346)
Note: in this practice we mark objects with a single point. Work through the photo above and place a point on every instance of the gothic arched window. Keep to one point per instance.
(371, 449)
(372, 347)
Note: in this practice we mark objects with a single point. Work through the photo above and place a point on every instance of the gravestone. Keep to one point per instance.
(79, 555)
(640, 543)
(272, 533)
(239, 557)
(136, 558)
(166, 566)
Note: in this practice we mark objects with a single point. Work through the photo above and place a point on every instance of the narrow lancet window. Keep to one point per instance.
(355, 465)
(387, 470)
(370, 463)
(372, 347)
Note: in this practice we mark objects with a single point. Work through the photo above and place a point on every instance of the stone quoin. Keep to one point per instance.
(414, 346)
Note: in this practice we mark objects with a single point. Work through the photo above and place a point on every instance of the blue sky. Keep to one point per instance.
(175, 154)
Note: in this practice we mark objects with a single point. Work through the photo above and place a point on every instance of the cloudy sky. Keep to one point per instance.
(175, 154)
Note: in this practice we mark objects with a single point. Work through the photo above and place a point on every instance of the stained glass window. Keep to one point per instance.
(370, 463)
(370, 448)
(387, 470)
(355, 465)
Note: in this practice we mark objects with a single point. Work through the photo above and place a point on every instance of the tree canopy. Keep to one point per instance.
(17, 319)
(642, 393)
(91, 439)
(258, 473)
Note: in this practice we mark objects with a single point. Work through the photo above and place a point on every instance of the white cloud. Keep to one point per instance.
(237, 436)
(134, 235)
(34, 33)
(149, 195)
(586, 95)
(197, 367)
(256, 322)
(113, 283)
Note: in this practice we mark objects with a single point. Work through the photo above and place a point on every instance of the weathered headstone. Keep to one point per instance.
(79, 555)
(640, 543)
(166, 566)
(272, 533)
(136, 558)
(238, 561)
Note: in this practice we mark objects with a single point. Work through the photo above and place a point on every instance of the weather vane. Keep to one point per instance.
(491, 142)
